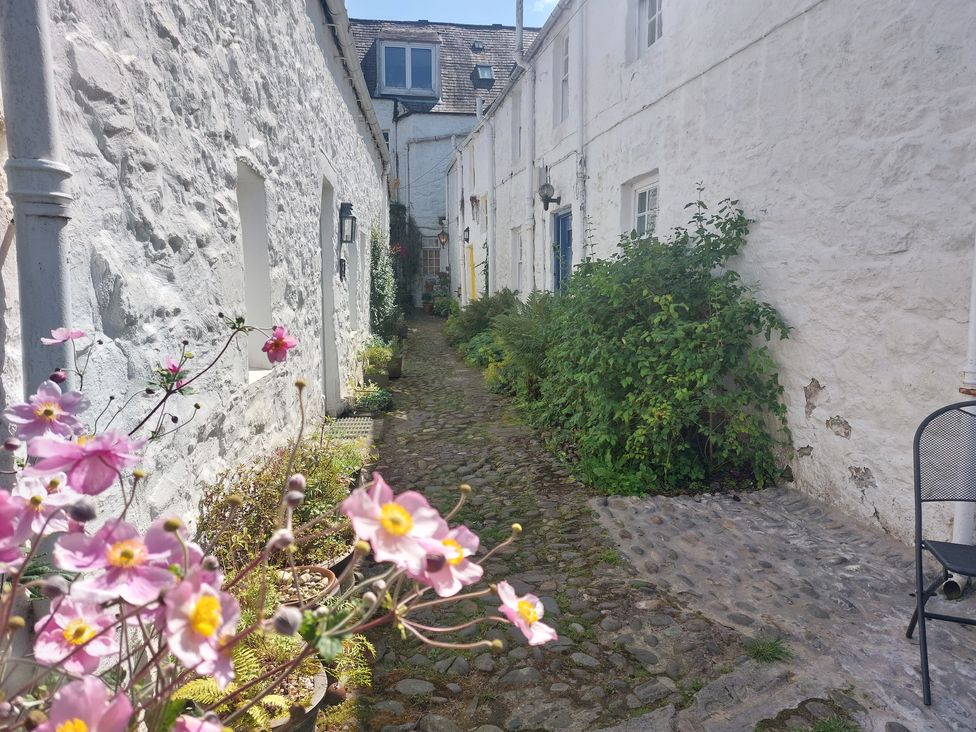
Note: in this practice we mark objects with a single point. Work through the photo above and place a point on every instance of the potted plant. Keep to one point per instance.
(427, 299)
(394, 367)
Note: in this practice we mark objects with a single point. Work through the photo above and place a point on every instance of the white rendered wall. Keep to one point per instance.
(159, 101)
(846, 129)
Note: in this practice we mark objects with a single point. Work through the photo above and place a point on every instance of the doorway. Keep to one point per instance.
(562, 249)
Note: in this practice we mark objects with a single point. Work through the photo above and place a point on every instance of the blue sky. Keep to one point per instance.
(488, 11)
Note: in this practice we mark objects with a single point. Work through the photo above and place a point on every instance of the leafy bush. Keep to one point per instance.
(476, 317)
(376, 356)
(384, 310)
(442, 306)
(328, 467)
(524, 336)
(482, 350)
(373, 398)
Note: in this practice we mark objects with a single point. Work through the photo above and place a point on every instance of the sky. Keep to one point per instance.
(486, 11)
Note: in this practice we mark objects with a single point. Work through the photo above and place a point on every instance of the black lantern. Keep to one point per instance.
(546, 195)
(347, 234)
(443, 238)
(467, 234)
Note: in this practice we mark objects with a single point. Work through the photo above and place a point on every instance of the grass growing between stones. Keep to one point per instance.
(767, 650)
(834, 724)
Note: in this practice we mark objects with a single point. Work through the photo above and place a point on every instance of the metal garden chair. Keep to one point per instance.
(945, 470)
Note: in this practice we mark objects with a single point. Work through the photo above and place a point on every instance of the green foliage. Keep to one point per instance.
(442, 306)
(373, 398)
(406, 243)
(650, 368)
(235, 535)
(376, 355)
(384, 310)
(477, 316)
(767, 650)
(834, 724)
(353, 666)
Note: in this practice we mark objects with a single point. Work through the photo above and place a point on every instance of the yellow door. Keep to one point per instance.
(473, 291)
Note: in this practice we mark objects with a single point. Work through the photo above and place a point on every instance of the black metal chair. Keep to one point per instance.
(945, 470)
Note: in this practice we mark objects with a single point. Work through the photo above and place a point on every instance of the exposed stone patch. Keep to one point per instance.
(805, 451)
(839, 426)
(862, 478)
(812, 394)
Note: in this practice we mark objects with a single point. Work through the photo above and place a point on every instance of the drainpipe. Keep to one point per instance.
(965, 514)
(529, 131)
(37, 184)
(491, 254)
(581, 126)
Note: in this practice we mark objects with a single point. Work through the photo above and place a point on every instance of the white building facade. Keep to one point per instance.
(207, 148)
(846, 128)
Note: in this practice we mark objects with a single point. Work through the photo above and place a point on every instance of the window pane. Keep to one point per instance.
(421, 68)
(651, 30)
(642, 202)
(641, 224)
(652, 199)
(395, 67)
(660, 17)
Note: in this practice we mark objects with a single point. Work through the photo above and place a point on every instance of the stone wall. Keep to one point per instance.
(160, 103)
(846, 129)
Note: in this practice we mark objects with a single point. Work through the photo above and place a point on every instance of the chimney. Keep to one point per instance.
(518, 27)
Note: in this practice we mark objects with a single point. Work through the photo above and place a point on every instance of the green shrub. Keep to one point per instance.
(477, 315)
(237, 535)
(384, 310)
(442, 306)
(658, 372)
(482, 350)
(373, 398)
(525, 335)
(376, 355)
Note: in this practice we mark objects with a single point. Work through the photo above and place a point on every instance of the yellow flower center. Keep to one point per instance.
(206, 617)
(48, 411)
(396, 519)
(128, 553)
(459, 552)
(72, 725)
(78, 632)
(527, 610)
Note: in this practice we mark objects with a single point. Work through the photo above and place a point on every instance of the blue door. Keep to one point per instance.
(562, 250)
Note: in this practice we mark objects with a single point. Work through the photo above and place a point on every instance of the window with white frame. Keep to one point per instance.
(408, 68)
(516, 127)
(563, 75)
(649, 27)
(645, 209)
(431, 255)
(516, 258)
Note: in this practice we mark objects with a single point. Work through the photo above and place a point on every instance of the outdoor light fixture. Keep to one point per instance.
(443, 238)
(545, 195)
(347, 234)
(467, 234)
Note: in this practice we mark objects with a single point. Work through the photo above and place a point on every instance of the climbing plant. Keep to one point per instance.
(384, 307)
(406, 243)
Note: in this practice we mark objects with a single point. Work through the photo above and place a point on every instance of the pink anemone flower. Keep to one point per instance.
(45, 499)
(394, 526)
(278, 344)
(92, 464)
(71, 637)
(200, 621)
(47, 411)
(524, 613)
(185, 723)
(15, 529)
(447, 568)
(62, 335)
(85, 706)
(126, 566)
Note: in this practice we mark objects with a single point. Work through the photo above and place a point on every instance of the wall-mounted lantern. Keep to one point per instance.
(546, 192)
(443, 238)
(347, 234)
(467, 234)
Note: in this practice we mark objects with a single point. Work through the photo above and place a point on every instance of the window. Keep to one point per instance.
(431, 255)
(484, 72)
(648, 23)
(408, 68)
(253, 206)
(645, 209)
(516, 127)
(562, 68)
(516, 254)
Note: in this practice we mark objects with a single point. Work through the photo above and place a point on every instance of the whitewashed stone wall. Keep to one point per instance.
(846, 128)
(158, 103)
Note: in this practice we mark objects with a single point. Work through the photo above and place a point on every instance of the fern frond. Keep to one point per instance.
(200, 691)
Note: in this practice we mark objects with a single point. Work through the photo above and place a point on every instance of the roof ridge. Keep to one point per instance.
(422, 23)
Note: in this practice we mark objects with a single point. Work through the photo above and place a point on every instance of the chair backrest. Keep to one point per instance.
(945, 454)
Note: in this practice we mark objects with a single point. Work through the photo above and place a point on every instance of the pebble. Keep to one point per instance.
(436, 723)
(414, 687)
(521, 677)
(485, 663)
(585, 660)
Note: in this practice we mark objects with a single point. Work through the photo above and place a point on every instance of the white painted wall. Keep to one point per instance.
(159, 101)
(846, 128)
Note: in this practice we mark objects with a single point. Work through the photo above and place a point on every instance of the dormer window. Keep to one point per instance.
(483, 76)
(408, 68)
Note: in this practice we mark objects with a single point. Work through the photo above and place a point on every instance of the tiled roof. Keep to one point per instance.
(458, 58)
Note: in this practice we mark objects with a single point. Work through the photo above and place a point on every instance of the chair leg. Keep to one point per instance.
(924, 652)
(926, 595)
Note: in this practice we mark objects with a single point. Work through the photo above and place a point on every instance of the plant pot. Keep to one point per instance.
(403, 331)
(429, 308)
(306, 721)
(394, 369)
(330, 588)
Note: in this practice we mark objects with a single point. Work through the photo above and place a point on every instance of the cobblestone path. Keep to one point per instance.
(653, 616)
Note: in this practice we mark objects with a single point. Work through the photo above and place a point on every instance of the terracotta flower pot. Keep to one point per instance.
(429, 308)
(330, 588)
(305, 722)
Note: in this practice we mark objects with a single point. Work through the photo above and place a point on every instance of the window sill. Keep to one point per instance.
(401, 92)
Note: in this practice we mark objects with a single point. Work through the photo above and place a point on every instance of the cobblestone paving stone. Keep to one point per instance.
(652, 632)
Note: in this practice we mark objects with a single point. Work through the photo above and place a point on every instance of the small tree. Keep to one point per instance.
(384, 310)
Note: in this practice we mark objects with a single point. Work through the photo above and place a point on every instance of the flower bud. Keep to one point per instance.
(497, 645)
(293, 499)
(369, 598)
(172, 525)
(435, 562)
(58, 377)
(361, 547)
(281, 539)
(16, 623)
(297, 482)
(54, 586)
(300, 384)
(138, 473)
(7, 710)
(35, 718)
(235, 500)
(379, 585)
(516, 529)
(286, 620)
(210, 563)
(11, 444)
(82, 510)
(464, 488)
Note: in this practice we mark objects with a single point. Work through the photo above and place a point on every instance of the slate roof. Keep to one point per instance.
(457, 58)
